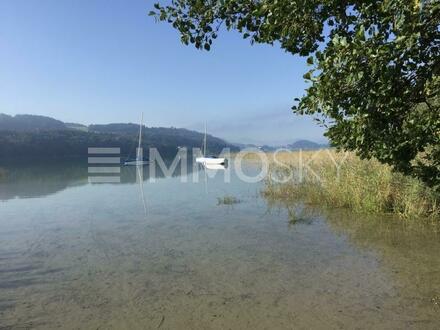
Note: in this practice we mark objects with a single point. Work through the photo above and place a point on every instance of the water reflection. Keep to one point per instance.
(215, 167)
(209, 171)
(88, 257)
(43, 178)
(140, 175)
(28, 180)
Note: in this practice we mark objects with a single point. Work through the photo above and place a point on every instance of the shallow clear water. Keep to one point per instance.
(95, 256)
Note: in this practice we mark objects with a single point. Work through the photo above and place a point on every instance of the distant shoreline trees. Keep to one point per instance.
(27, 136)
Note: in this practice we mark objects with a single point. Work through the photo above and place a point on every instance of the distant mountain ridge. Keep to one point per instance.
(297, 145)
(46, 136)
(306, 145)
(29, 123)
(40, 136)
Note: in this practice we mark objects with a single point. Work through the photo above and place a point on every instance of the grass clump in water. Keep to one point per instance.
(2, 173)
(343, 180)
(227, 200)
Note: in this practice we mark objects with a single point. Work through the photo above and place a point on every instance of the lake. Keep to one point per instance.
(164, 254)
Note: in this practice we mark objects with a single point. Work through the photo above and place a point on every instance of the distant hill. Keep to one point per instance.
(28, 123)
(297, 145)
(168, 136)
(76, 126)
(118, 128)
(37, 136)
(306, 145)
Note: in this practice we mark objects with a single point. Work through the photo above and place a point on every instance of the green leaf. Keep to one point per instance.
(307, 76)
(343, 41)
(360, 34)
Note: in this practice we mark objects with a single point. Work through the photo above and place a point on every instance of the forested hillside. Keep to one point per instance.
(37, 137)
(29, 123)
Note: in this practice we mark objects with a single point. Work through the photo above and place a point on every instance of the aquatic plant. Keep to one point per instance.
(343, 180)
(2, 173)
(227, 200)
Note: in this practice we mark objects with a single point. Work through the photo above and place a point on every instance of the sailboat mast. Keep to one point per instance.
(138, 157)
(204, 143)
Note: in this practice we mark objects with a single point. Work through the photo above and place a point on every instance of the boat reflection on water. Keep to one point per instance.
(215, 166)
(38, 179)
(209, 170)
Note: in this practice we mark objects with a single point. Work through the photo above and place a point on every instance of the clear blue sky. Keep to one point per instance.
(102, 61)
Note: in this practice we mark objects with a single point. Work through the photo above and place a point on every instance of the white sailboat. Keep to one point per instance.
(209, 160)
(139, 161)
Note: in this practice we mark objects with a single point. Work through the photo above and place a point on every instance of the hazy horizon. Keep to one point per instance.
(118, 63)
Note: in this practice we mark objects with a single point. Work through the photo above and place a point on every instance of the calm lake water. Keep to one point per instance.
(164, 254)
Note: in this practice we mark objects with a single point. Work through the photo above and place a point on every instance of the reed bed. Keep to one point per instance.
(343, 180)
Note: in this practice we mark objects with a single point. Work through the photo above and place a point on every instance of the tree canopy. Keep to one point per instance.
(374, 67)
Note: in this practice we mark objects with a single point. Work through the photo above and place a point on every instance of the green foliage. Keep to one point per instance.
(374, 78)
